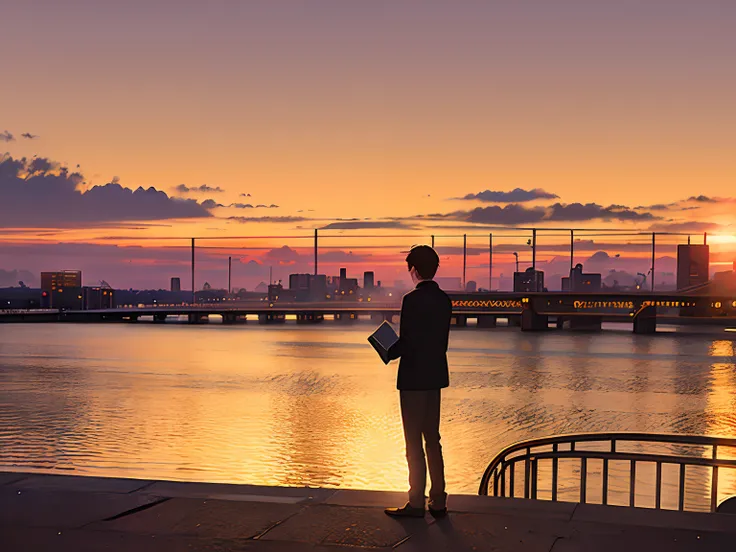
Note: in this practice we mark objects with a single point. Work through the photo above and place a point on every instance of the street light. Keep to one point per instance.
(517, 261)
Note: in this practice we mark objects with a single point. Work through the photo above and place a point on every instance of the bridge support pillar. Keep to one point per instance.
(232, 318)
(586, 323)
(460, 320)
(533, 322)
(345, 317)
(514, 320)
(309, 318)
(196, 318)
(645, 321)
(378, 317)
(132, 318)
(271, 318)
(159, 318)
(486, 321)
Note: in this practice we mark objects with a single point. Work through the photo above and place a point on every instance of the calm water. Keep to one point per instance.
(296, 405)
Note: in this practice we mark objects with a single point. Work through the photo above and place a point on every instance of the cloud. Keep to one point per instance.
(10, 278)
(211, 204)
(517, 195)
(250, 206)
(6, 137)
(514, 214)
(29, 136)
(365, 224)
(287, 255)
(245, 220)
(576, 212)
(703, 199)
(493, 214)
(204, 188)
(338, 256)
(283, 255)
(39, 193)
(689, 204)
(244, 195)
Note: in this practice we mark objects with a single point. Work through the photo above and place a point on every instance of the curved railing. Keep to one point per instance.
(519, 464)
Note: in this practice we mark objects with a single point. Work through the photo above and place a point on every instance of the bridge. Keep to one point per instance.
(529, 311)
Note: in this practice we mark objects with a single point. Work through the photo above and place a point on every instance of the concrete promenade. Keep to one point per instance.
(83, 514)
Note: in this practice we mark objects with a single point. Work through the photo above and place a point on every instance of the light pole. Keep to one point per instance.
(517, 261)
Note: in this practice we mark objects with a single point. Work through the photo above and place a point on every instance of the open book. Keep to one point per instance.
(382, 340)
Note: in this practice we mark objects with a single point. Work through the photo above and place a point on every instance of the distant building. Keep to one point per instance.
(62, 290)
(176, 284)
(450, 283)
(581, 281)
(20, 298)
(61, 279)
(471, 286)
(693, 265)
(98, 298)
(368, 280)
(529, 281)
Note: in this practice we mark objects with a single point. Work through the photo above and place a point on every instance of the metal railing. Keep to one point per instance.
(519, 465)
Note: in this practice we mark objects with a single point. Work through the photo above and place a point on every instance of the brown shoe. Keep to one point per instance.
(405, 511)
(437, 514)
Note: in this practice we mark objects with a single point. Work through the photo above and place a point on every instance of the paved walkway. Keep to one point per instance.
(81, 514)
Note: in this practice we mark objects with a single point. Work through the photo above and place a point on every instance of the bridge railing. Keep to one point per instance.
(531, 469)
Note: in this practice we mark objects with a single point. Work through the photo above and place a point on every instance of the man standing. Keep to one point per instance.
(423, 335)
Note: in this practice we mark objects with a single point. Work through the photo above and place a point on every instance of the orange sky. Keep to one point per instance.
(379, 110)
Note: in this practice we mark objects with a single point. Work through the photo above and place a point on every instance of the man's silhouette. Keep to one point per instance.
(423, 335)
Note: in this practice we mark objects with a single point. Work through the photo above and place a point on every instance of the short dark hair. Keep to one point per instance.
(424, 259)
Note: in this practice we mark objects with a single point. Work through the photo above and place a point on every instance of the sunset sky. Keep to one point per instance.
(360, 118)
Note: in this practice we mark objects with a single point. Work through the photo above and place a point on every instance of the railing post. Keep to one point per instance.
(526, 473)
(583, 479)
(658, 487)
(632, 484)
(503, 481)
(714, 483)
(604, 491)
(535, 474)
(681, 504)
(511, 479)
(555, 463)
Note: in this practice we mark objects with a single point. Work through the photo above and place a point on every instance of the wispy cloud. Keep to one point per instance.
(204, 188)
(6, 136)
(250, 206)
(368, 224)
(514, 214)
(245, 220)
(29, 136)
(517, 195)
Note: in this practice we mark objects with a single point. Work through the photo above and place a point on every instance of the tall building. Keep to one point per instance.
(529, 281)
(368, 280)
(582, 281)
(62, 290)
(99, 297)
(175, 284)
(693, 265)
(343, 273)
(61, 279)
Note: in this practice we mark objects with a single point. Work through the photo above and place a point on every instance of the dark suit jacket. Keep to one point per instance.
(423, 334)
